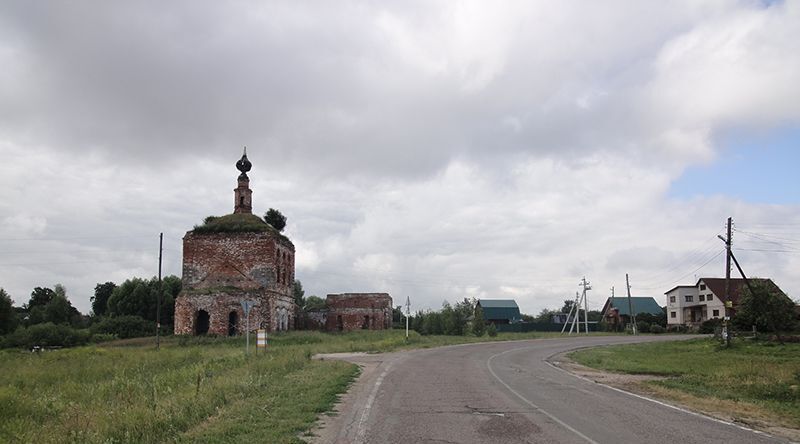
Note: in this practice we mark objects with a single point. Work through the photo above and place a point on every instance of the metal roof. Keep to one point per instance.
(498, 303)
(500, 309)
(641, 304)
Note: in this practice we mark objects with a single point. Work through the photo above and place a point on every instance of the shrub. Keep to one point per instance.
(709, 326)
(125, 327)
(491, 330)
(103, 337)
(47, 335)
(642, 326)
(657, 329)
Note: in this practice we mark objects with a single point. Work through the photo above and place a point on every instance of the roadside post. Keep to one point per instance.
(261, 339)
(246, 306)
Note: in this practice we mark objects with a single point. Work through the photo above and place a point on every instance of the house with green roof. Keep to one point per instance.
(500, 311)
(617, 310)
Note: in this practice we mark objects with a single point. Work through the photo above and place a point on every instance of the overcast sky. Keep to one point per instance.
(437, 150)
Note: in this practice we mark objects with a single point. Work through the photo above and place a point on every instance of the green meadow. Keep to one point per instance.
(751, 381)
(191, 390)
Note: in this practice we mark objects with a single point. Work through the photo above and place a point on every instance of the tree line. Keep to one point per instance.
(122, 311)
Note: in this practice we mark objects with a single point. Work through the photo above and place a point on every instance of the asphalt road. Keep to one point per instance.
(506, 392)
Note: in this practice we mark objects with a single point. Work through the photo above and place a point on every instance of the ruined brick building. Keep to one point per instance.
(353, 311)
(231, 259)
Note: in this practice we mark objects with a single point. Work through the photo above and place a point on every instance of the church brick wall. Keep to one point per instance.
(220, 270)
(356, 311)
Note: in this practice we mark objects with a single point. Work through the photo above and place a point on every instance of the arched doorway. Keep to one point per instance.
(233, 322)
(201, 323)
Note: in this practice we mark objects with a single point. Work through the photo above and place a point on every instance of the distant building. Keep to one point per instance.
(616, 311)
(231, 259)
(500, 311)
(358, 311)
(692, 305)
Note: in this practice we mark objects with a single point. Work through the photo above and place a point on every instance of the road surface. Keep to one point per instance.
(507, 392)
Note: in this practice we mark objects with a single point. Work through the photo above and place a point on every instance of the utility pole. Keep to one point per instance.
(574, 308)
(408, 314)
(727, 240)
(611, 307)
(586, 287)
(158, 297)
(630, 305)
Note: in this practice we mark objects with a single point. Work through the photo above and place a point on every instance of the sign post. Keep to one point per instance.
(246, 306)
(261, 339)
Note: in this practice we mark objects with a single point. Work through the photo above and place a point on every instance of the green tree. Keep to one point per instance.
(276, 219)
(491, 330)
(60, 311)
(102, 292)
(546, 316)
(139, 297)
(568, 304)
(314, 303)
(8, 316)
(478, 323)
(298, 293)
(41, 297)
(765, 307)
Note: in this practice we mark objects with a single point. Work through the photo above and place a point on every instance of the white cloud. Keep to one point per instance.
(434, 150)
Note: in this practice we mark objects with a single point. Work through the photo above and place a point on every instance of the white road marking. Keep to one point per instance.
(549, 415)
(361, 430)
(661, 403)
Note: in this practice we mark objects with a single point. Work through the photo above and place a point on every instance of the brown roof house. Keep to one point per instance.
(233, 259)
(691, 305)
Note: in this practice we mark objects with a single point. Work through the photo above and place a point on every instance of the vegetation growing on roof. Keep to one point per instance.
(235, 223)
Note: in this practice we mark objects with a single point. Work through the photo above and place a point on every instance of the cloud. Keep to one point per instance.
(436, 149)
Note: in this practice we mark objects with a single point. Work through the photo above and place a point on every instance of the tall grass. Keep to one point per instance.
(192, 390)
(759, 373)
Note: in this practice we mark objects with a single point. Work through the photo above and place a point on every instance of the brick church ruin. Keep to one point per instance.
(231, 259)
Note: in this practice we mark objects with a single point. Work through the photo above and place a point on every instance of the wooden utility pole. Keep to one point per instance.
(408, 314)
(158, 297)
(632, 316)
(726, 329)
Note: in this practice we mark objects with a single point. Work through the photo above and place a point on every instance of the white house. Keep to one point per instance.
(693, 304)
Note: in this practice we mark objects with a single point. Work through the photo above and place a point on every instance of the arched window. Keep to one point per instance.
(202, 322)
(233, 321)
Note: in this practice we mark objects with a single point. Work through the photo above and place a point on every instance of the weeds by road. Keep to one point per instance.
(752, 382)
(192, 390)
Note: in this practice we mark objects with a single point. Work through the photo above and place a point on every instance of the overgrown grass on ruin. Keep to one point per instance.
(192, 390)
(754, 380)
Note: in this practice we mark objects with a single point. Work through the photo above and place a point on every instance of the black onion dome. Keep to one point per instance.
(243, 164)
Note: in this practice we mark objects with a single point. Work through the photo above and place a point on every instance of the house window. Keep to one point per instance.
(689, 298)
(716, 313)
(672, 299)
(709, 297)
(672, 314)
(702, 297)
(702, 287)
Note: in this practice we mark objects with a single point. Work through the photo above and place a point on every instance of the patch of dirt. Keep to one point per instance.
(746, 414)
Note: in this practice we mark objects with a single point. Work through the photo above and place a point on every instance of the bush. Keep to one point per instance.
(491, 330)
(657, 329)
(103, 337)
(125, 327)
(642, 327)
(47, 335)
(710, 326)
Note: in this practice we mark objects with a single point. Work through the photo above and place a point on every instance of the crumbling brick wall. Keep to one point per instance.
(355, 311)
(220, 270)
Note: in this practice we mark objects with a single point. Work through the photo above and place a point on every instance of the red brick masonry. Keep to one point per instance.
(354, 311)
(220, 270)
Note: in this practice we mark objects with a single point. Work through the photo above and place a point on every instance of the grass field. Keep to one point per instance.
(192, 390)
(752, 381)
